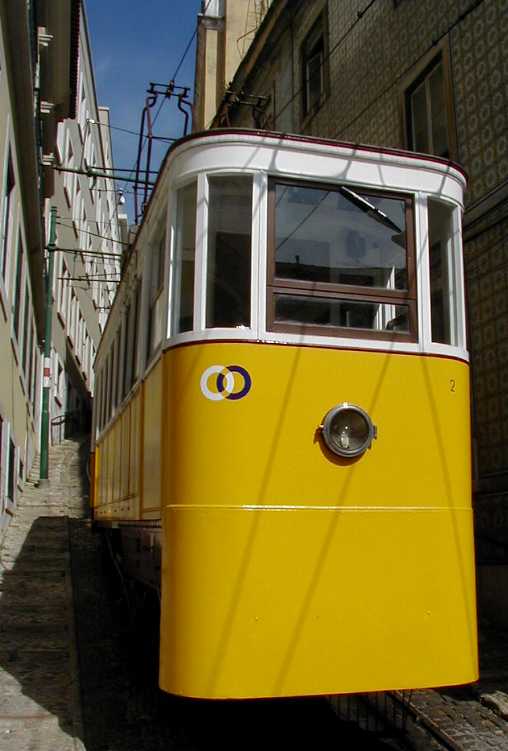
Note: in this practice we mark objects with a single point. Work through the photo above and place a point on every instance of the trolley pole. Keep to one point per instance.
(47, 347)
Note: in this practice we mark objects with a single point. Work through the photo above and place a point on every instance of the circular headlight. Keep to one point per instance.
(348, 430)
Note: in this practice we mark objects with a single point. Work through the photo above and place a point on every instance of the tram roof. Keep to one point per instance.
(309, 140)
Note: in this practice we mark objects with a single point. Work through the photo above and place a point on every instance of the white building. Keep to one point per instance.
(87, 264)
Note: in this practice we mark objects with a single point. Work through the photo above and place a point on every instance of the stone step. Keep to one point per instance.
(14, 616)
(19, 579)
(45, 681)
(37, 733)
(25, 545)
(32, 567)
(35, 638)
(31, 514)
(40, 524)
(34, 554)
(28, 592)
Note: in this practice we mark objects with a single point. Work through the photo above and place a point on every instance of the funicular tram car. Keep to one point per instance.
(282, 413)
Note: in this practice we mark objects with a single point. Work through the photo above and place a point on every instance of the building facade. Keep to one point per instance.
(34, 76)
(51, 133)
(87, 262)
(224, 33)
(430, 77)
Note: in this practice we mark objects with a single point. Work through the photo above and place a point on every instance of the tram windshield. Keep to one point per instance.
(341, 258)
(340, 237)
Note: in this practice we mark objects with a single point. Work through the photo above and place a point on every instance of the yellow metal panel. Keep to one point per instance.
(316, 601)
(152, 421)
(111, 465)
(94, 476)
(135, 448)
(265, 448)
(124, 472)
(288, 570)
(103, 470)
(117, 483)
(105, 481)
(117, 479)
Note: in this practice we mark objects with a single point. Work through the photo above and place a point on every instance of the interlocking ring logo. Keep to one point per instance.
(225, 382)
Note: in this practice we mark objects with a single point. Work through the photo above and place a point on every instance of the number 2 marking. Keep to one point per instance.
(452, 385)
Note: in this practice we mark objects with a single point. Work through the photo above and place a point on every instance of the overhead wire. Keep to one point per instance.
(126, 130)
(177, 70)
(94, 234)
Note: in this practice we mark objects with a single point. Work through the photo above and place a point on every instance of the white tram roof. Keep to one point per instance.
(308, 157)
(302, 157)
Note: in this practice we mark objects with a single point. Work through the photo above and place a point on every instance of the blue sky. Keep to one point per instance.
(135, 42)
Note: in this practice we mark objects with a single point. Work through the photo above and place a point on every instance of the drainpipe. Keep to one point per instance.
(51, 248)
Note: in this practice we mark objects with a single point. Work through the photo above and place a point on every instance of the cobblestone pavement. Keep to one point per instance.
(473, 718)
(39, 698)
(51, 567)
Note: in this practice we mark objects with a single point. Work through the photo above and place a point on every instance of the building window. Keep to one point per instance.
(11, 473)
(314, 67)
(341, 262)
(33, 385)
(25, 329)
(428, 111)
(9, 186)
(16, 303)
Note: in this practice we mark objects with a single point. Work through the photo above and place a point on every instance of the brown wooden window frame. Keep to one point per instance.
(319, 28)
(330, 290)
(438, 56)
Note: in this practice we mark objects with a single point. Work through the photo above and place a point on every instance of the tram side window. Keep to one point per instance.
(116, 372)
(102, 398)
(97, 401)
(127, 326)
(104, 416)
(229, 252)
(133, 363)
(111, 370)
(185, 251)
(443, 256)
(341, 259)
(157, 258)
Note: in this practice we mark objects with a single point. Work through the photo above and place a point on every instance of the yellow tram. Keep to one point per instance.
(281, 426)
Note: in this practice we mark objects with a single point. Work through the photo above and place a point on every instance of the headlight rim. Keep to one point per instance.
(327, 437)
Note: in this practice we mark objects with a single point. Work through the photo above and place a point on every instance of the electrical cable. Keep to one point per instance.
(94, 234)
(189, 43)
(178, 67)
(126, 130)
